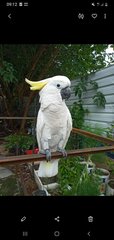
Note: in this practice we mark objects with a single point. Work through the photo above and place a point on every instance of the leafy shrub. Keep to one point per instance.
(20, 141)
(69, 174)
(99, 99)
(74, 179)
(89, 186)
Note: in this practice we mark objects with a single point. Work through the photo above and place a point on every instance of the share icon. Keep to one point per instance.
(57, 219)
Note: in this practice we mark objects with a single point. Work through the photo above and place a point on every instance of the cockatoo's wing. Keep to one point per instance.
(68, 129)
(46, 169)
(40, 128)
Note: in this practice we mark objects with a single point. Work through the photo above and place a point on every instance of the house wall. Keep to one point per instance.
(98, 115)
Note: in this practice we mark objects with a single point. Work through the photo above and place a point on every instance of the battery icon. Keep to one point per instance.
(20, 4)
(25, 4)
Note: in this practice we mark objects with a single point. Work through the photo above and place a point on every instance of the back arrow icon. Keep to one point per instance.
(88, 234)
(9, 15)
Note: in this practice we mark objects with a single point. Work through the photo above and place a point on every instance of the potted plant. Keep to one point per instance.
(103, 174)
(32, 151)
(18, 143)
(89, 164)
(110, 188)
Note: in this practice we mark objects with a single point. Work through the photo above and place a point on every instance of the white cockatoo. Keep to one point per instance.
(54, 122)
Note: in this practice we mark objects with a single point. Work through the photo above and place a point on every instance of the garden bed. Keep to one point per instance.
(22, 177)
(69, 175)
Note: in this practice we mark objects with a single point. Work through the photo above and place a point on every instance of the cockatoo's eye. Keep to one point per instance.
(58, 85)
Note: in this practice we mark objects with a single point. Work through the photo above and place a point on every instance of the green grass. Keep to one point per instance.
(89, 186)
(9, 186)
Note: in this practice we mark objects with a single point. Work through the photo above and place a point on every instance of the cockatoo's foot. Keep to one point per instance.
(63, 151)
(46, 152)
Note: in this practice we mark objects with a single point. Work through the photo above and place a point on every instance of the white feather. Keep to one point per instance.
(54, 124)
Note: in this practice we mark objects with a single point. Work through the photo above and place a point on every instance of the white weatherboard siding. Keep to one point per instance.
(98, 115)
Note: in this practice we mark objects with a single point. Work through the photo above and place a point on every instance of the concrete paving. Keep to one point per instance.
(5, 172)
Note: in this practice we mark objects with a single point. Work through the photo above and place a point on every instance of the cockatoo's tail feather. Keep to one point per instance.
(48, 169)
(36, 85)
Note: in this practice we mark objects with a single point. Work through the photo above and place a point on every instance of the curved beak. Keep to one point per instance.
(66, 93)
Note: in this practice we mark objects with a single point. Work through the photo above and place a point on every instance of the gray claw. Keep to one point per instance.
(63, 151)
(48, 154)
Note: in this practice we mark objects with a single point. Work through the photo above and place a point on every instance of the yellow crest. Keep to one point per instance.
(36, 85)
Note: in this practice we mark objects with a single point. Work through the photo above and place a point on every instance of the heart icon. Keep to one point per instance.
(94, 15)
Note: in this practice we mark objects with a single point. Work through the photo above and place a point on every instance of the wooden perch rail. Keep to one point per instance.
(17, 118)
(38, 157)
(80, 152)
(93, 135)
